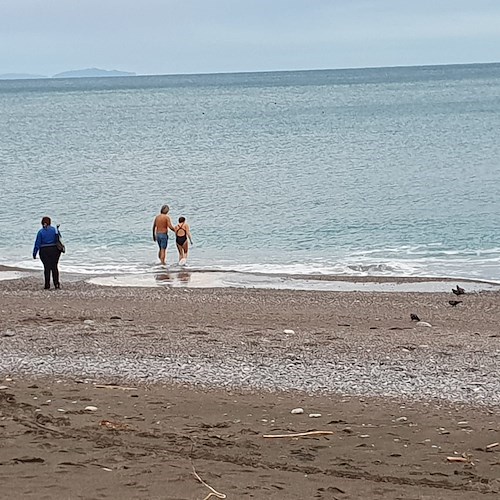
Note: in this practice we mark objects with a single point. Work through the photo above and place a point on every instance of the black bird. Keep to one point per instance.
(454, 302)
(414, 317)
(458, 291)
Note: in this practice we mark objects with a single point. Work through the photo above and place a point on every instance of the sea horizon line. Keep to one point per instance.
(261, 72)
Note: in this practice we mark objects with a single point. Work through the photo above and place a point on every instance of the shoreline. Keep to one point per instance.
(203, 278)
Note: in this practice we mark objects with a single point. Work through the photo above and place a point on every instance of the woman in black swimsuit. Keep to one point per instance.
(182, 234)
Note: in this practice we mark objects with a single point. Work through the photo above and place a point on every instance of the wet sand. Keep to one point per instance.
(199, 376)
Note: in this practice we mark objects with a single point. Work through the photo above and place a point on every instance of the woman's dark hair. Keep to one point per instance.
(46, 221)
(182, 219)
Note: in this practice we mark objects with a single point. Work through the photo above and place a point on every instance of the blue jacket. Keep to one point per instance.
(46, 237)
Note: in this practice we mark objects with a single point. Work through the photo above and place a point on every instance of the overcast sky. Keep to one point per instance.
(199, 36)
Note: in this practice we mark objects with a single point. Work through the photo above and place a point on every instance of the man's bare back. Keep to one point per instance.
(162, 223)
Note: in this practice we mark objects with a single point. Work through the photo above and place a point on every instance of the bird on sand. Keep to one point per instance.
(458, 291)
(454, 303)
(414, 317)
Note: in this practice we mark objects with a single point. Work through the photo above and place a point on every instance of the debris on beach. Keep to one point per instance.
(213, 492)
(414, 317)
(111, 386)
(424, 324)
(454, 303)
(116, 426)
(456, 459)
(299, 434)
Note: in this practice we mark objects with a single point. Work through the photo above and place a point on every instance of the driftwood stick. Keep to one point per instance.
(105, 386)
(33, 425)
(298, 434)
(213, 493)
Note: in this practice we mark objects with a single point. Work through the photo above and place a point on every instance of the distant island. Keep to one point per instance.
(79, 73)
(92, 73)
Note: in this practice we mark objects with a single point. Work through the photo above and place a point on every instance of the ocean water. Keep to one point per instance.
(390, 171)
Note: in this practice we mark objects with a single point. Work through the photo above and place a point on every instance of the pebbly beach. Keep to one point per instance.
(186, 379)
(262, 263)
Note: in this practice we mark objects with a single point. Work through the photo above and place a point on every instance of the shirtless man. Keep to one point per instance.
(161, 225)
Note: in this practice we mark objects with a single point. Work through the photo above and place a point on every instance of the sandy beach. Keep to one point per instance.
(111, 392)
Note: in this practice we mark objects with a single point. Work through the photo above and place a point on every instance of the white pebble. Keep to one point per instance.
(289, 332)
(424, 323)
(91, 408)
(3, 387)
(297, 411)
(314, 415)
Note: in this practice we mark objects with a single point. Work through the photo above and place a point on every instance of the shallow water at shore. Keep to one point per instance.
(195, 278)
(200, 279)
(11, 275)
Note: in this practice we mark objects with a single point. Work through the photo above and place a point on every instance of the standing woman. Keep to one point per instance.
(46, 244)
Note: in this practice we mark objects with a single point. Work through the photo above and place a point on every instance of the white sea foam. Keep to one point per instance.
(381, 262)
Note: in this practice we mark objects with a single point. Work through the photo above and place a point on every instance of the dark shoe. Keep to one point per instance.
(57, 287)
(46, 287)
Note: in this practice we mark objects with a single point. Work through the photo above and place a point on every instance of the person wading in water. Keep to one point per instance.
(161, 225)
(182, 234)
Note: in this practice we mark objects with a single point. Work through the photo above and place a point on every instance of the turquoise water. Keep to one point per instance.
(364, 172)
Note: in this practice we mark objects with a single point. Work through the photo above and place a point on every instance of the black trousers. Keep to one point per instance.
(50, 258)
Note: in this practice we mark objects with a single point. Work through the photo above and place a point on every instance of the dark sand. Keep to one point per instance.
(379, 449)
(390, 448)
